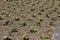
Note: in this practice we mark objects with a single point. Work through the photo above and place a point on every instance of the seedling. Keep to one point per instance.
(53, 19)
(44, 37)
(29, 19)
(6, 23)
(51, 23)
(22, 24)
(58, 0)
(1, 18)
(13, 30)
(47, 15)
(32, 9)
(39, 13)
(8, 0)
(42, 10)
(38, 23)
(41, 20)
(7, 15)
(7, 38)
(58, 12)
(2, 13)
(16, 19)
(25, 37)
(32, 30)
(34, 15)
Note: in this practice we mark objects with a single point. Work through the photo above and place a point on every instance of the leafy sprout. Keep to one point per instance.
(22, 24)
(44, 37)
(1, 18)
(38, 23)
(33, 30)
(16, 19)
(58, 12)
(13, 30)
(6, 23)
(25, 37)
(47, 15)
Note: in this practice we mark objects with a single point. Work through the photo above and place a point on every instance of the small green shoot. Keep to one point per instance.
(33, 30)
(22, 24)
(13, 30)
(1, 18)
(6, 23)
(16, 19)
(25, 37)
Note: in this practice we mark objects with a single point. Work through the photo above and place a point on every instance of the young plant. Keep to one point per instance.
(7, 15)
(6, 38)
(16, 19)
(32, 9)
(42, 10)
(38, 23)
(41, 20)
(33, 30)
(30, 19)
(47, 15)
(58, 12)
(8, 0)
(52, 21)
(1, 18)
(6, 23)
(12, 30)
(39, 13)
(22, 24)
(44, 37)
(25, 37)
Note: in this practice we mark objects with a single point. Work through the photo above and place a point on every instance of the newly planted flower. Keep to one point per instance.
(47, 15)
(6, 38)
(13, 30)
(44, 37)
(22, 24)
(1, 18)
(25, 37)
(38, 23)
(6, 23)
(58, 12)
(7, 15)
(33, 30)
(16, 19)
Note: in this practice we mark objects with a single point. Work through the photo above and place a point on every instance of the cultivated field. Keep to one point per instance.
(28, 19)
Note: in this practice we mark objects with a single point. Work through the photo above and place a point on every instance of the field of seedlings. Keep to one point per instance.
(28, 19)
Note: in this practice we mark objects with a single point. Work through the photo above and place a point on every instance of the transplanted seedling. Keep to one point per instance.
(12, 30)
(47, 15)
(44, 37)
(38, 23)
(52, 21)
(7, 15)
(22, 24)
(16, 19)
(6, 38)
(6, 23)
(30, 19)
(33, 30)
(1, 18)
(25, 37)
(58, 12)
(8, 0)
